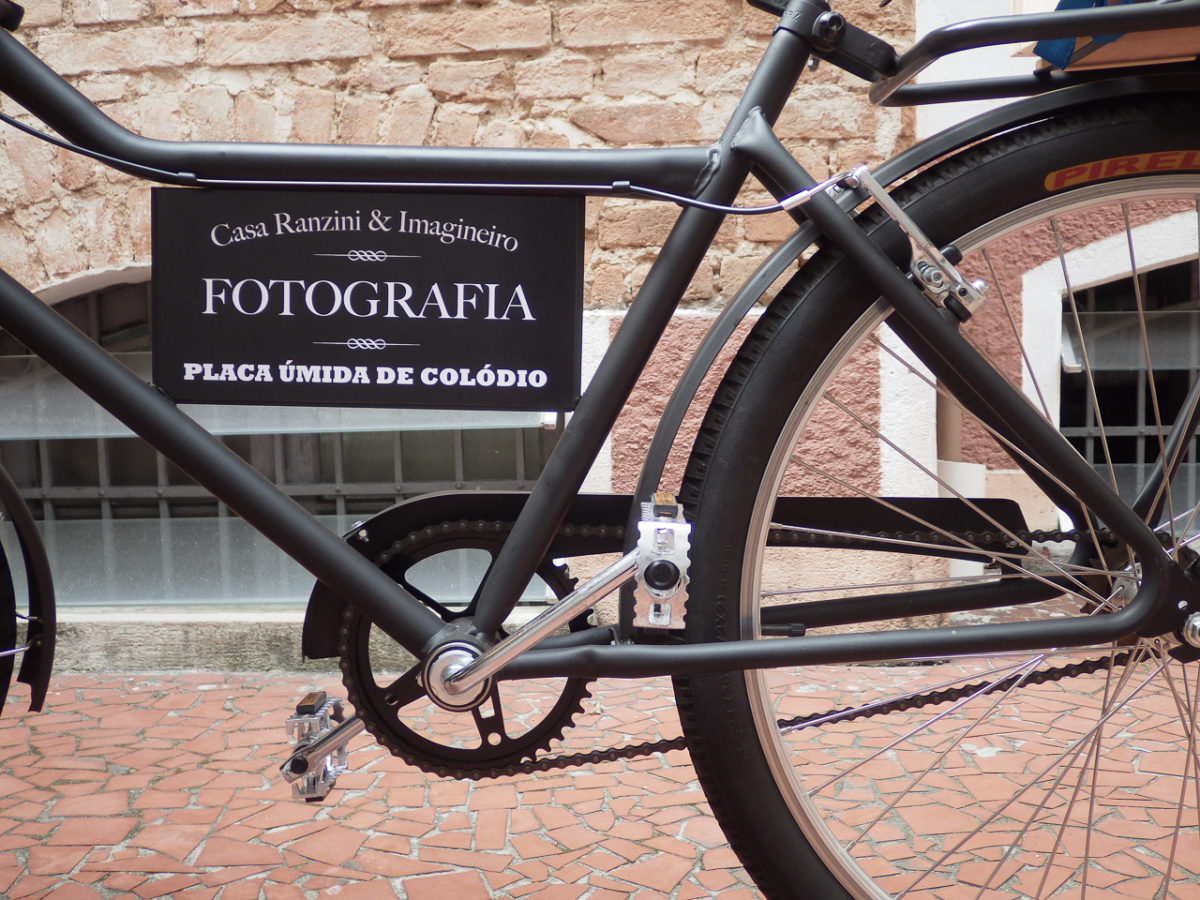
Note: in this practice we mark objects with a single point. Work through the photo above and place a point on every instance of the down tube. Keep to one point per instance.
(231, 480)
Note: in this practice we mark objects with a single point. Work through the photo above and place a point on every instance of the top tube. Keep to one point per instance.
(41, 91)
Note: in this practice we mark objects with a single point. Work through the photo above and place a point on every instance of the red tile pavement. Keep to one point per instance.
(167, 786)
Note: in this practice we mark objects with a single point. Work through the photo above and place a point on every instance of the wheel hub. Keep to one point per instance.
(1190, 631)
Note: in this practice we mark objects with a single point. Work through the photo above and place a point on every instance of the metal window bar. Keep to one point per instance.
(1143, 430)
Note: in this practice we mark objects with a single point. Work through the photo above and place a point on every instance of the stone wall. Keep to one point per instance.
(535, 73)
(551, 73)
(542, 73)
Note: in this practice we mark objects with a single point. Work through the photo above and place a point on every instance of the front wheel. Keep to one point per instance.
(1062, 773)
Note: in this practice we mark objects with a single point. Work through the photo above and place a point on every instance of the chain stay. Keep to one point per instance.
(787, 536)
(850, 713)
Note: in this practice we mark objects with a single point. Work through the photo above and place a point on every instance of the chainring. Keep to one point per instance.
(386, 691)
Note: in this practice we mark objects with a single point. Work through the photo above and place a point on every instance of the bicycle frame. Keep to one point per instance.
(718, 174)
(708, 179)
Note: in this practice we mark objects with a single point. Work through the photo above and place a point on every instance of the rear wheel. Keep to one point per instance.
(1066, 773)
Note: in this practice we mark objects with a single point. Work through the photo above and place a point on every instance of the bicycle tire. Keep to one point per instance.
(889, 799)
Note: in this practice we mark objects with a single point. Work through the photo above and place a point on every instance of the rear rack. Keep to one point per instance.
(895, 89)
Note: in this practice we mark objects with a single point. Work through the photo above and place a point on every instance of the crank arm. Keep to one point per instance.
(460, 680)
(307, 756)
(456, 677)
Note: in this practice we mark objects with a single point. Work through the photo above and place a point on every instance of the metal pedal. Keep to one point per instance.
(319, 732)
(664, 548)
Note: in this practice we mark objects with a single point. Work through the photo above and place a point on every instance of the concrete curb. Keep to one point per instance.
(181, 640)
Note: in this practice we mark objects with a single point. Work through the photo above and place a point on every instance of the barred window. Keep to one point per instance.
(1108, 336)
(102, 493)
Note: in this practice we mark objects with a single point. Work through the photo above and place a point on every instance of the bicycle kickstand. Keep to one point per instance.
(320, 735)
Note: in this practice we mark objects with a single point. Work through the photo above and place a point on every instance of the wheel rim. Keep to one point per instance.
(1084, 785)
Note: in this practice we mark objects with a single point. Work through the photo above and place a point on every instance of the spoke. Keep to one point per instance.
(941, 484)
(1012, 845)
(1018, 455)
(944, 392)
(1063, 569)
(1000, 370)
(1060, 834)
(858, 585)
(1087, 363)
(1089, 372)
(1015, 560)
(1183, 446)
(1141, 316)
(1090, 766)
(1189, 414)
(1012, 324)
(1026, 669)
(1193, 764)
(983, 689)
(1071, 752)
(1186, 707)
(960, 543)
(878, 704)
(1187, 517)
(1016, 451)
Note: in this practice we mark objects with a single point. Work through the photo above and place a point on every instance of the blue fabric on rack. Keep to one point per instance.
(1058, 52)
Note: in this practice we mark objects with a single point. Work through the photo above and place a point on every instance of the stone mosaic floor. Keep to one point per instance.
(167, 786)
(147, 786)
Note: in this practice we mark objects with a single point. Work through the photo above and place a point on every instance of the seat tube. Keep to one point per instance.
(778, 72)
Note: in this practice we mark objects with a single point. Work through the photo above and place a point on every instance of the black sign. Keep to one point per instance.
(436, 301)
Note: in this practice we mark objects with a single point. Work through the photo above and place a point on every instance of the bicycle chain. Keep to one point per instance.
(850, 713)
(1010, 540)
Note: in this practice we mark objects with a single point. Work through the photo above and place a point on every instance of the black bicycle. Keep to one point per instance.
(929, 592)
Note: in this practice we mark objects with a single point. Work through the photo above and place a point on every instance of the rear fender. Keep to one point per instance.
(1011, 116)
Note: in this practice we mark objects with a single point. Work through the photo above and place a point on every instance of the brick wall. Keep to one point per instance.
(547, 73)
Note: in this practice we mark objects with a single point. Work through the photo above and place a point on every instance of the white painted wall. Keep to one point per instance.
(989, 61)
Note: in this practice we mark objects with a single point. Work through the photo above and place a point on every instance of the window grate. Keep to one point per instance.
(121, 486)
(1116, 429)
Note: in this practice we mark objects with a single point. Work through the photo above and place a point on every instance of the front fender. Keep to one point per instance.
(38, 657)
